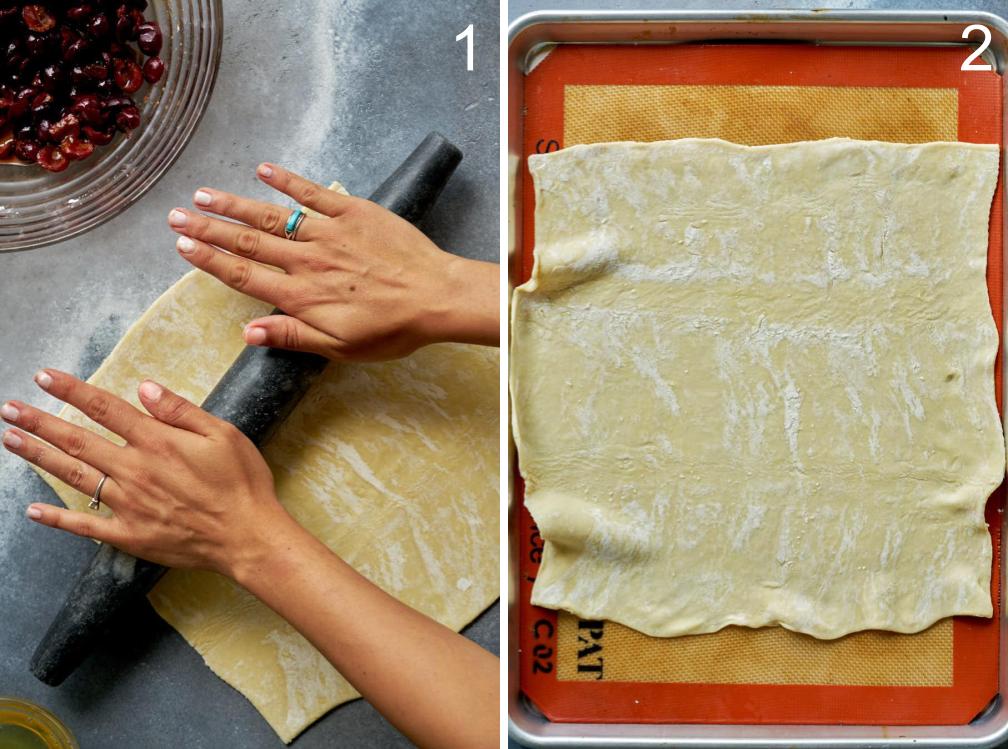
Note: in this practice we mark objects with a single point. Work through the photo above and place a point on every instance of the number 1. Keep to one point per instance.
(468, 36)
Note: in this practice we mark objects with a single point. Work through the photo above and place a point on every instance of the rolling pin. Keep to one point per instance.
(256, 394)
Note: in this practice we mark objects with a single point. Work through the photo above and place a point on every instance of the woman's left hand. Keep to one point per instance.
(187, 489)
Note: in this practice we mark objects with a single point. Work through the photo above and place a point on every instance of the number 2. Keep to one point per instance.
(468, 36)
(968, 62)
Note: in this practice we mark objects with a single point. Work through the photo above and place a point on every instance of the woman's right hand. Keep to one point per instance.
(359, 283)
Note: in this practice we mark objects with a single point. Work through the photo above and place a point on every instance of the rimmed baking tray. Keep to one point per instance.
(531, 38)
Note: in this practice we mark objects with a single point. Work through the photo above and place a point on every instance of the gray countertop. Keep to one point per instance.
(337, 90)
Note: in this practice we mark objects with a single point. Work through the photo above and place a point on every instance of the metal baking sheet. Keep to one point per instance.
(530, 38)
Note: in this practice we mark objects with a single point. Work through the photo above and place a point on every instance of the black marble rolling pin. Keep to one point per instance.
(256, 394)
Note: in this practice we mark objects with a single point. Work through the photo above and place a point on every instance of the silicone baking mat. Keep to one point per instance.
(591, 671)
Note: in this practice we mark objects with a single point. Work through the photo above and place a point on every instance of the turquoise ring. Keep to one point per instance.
(294, 223)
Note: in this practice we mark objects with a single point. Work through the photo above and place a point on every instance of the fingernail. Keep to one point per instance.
(202, 197)
(177, 218)
(33, 513)
(151, 391)
(43, 380)
(9, 412)
(185, 245)
(255, 336)
(11, 439)
(265, 170)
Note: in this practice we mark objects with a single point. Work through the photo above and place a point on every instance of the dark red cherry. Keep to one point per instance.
(53, 159)
(79, 13)
(127, 75)
(43, 131)
(149, 38)
(128, 119)
(68, 125)
(100, 27)
(76, 149)
(98, 136)
(38, 18)
(153, 69)
(26, 150)
(22, 101)
(96, 71)
(42, 102)
(87, 108)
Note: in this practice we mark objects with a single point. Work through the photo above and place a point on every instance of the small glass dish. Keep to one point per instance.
(23, 724)
(39, 207)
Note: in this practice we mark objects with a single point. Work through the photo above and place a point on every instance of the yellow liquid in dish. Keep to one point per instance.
(27, 726)
(13, 736)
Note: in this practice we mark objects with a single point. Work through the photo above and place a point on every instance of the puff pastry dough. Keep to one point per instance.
(753, 385)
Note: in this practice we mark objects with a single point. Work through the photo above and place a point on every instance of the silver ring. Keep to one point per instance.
(293, 224)
(95, 502)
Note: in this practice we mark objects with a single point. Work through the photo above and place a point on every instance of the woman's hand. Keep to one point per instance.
(359, 284)
(186, 490)
(189, 490)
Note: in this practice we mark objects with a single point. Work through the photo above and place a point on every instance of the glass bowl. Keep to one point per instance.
(32, 726)
(39, 207)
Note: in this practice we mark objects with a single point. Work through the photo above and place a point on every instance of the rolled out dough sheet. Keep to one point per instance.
(393, 465)
(753, 385)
